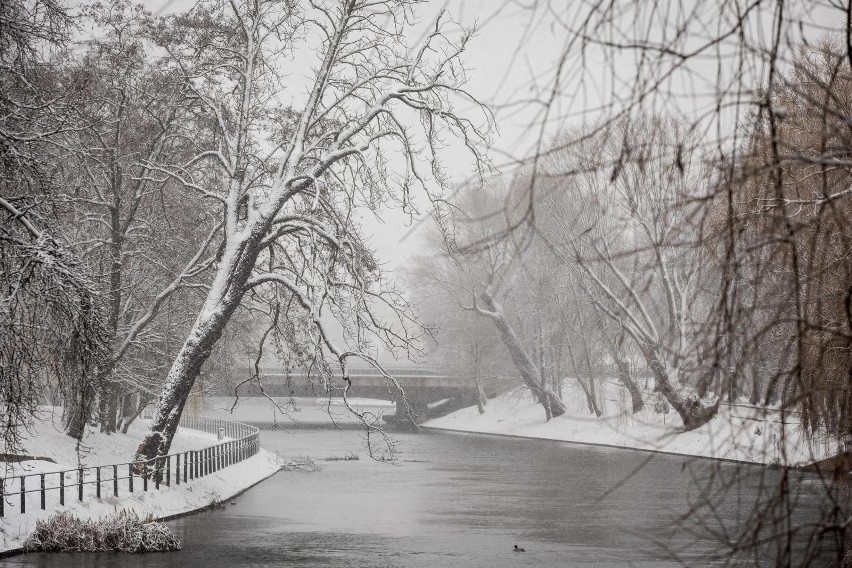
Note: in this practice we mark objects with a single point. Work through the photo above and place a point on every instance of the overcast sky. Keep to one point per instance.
(512, 61)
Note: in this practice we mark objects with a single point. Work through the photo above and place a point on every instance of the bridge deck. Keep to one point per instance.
(372, 378)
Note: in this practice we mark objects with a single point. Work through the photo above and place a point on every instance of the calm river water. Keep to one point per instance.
(453, 500)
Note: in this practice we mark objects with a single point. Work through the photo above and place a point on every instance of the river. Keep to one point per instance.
(455, 500)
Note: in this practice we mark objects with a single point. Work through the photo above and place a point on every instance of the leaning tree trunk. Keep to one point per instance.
(196, 349)
(224, 297)
(552, 403)
(691, 411)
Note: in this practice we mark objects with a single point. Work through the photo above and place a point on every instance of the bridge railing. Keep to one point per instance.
(52, 488)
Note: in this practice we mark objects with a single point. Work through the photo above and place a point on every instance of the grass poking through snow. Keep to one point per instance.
(120, 532)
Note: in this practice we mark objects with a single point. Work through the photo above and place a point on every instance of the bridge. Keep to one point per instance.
(429, 392)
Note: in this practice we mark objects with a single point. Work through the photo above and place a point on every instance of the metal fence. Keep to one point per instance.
(241, 441)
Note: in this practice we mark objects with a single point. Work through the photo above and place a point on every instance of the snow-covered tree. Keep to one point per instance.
(495, 282)
(52, 331)
(465, 344)
(627, 223)
(291, 178)
(147, 239)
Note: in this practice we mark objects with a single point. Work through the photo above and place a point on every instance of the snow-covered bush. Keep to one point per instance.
(121, 532)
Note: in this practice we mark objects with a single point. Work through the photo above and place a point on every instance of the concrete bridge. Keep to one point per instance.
(429, 392)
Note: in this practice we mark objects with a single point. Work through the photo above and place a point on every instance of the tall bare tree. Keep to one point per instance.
(492, 283)
(48, 300)
(629, 235)
(289, 183)
(148, 238)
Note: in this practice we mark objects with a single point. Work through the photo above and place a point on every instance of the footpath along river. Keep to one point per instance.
(457, 500)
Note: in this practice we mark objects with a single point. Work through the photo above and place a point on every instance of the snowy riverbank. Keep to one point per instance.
(47, 440)
(739, 432)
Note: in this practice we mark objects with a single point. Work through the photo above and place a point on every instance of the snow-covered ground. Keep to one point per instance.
(47, 440)
(739, 432)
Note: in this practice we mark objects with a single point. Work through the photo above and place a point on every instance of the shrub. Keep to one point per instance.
(121, 532)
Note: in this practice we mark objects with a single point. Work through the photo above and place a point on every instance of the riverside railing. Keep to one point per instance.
(51, 488)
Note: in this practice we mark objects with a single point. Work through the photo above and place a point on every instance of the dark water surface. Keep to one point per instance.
(455, 500)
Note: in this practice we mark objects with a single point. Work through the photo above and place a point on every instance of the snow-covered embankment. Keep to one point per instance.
(739, 432)
(47, 440)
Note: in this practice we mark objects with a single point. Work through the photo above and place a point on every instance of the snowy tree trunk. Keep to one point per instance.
(588, 390)
(224, 297)
(591, 399)
(134, 414)
(126, 408)
(109, 399)
(552, 403)
(79, 400)
(196, 349)
(76, 413)
(691, 411)
(481, 399)
(108, 410)
(112, 407)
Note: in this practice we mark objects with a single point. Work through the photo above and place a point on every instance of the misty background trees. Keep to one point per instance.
(685, 198)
